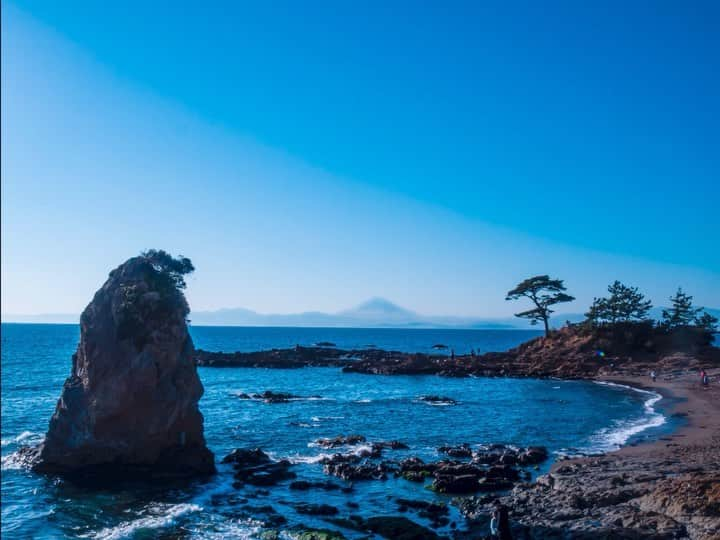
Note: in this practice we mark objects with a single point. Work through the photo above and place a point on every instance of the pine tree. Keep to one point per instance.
(625, 304)
(543, 292)
(707, 322)
(682, 313)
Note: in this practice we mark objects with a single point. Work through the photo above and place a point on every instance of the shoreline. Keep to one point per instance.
(667, 487)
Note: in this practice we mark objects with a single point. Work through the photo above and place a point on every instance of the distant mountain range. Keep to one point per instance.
(375, 313)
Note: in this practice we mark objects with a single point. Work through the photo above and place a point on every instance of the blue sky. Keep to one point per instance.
(309, 155)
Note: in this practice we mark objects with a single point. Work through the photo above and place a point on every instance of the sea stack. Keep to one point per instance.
(129, 408)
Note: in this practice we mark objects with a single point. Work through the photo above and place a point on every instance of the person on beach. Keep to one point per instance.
(494, 524)
(653, 375)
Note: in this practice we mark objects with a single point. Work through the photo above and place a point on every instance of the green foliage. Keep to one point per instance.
(625, 304)
(707, 322)
(682, 313)
(173, 268)
(543, 292)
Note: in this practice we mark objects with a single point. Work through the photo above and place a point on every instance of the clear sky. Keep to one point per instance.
(310, 155)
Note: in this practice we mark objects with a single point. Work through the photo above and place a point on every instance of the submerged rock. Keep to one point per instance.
(437, 400)
(130, 406)
(268, 396)
(253, 466)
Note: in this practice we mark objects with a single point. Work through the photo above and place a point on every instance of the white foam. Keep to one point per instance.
(612, 438)
(321, 418)
(163, 515)
(24, 436)
(308, 459)
(359, 450)
(12, 462)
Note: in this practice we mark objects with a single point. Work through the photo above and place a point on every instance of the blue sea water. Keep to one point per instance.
(565, 416)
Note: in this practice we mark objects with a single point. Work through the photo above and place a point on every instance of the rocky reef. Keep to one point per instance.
(129, 408)
(572, 352)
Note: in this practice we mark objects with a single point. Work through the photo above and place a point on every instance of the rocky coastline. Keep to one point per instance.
(572, 352)
(666, 489)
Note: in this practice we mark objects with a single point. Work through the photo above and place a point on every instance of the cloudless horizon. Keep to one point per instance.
(309, 156)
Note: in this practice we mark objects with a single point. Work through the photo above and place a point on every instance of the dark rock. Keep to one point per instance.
(438, 400)
(247, 457)
(462, 451)
(303, 485)
(455, 484)
(316, 509)
(129, 409)
(533, 455)
(392, 445)
(268, 396)
(340, 440)
(254, 467)
(399, 528)
(317, 534)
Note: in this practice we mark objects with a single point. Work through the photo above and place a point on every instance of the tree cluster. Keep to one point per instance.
(623, 305)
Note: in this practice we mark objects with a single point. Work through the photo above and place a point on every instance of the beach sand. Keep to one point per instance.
(669, 488)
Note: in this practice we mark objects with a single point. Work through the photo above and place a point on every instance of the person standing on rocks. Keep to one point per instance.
(653, 375)
(494, 524)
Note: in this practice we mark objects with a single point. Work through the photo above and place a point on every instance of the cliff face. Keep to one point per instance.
(130, 405)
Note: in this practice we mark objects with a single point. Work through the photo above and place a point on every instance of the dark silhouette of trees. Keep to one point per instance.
(682, 313)
(707, 322)
(174, 269)
(625, 304)
(543, 292)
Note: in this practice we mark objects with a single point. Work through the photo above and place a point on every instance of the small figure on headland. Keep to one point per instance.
(452, 354)
(704, 378)
(653, 375)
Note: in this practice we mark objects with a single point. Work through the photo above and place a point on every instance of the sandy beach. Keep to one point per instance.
(669, 488)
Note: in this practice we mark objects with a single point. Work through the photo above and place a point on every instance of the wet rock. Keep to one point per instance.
(317, 534)
(316, 509)
(532, 455)
(435, 512)
(415, 469)
(341, 440)
(268, 396)
(392, 445)
(456, 484)
(461, 451)
(129, 409)
(398, 528)
(254, 467)
(247, 457)
(303, 485)
(437, 400)
(363, 471)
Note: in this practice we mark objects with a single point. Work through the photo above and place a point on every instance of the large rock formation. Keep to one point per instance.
(130, 405)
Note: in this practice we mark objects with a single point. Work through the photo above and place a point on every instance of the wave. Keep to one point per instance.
(29, 436)
(614, 437)
(163, 516)
(322, 418)
(361, 450)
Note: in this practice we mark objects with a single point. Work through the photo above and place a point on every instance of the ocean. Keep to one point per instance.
(568, 417)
